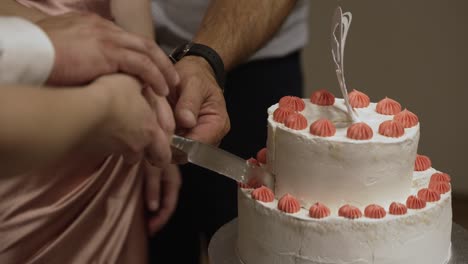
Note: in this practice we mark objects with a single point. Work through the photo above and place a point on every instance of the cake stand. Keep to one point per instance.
(223, 249)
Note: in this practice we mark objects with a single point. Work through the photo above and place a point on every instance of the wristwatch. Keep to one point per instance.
(209, 54)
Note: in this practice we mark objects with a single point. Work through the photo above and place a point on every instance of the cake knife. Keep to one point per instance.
(218, 160)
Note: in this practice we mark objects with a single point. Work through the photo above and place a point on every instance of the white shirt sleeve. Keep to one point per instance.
(26, 53)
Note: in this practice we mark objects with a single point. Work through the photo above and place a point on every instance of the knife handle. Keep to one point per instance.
(181, 147)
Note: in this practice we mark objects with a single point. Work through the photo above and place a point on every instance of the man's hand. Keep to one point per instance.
(136, 119)
(88, 46)
(199, 106)
(161, 192)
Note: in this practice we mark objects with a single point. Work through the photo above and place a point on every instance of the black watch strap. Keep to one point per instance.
(209, 54)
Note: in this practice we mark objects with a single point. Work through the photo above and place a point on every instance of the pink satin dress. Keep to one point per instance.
(80, 210)
(58, 7)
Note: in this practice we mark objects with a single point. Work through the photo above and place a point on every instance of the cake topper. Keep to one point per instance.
(340, 26)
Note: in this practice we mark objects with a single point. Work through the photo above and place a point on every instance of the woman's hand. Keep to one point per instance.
(161, 193)
(136, 120)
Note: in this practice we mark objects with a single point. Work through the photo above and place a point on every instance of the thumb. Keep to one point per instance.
(188, 105)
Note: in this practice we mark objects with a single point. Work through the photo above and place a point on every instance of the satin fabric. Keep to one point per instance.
(80, 210)
(58, 7)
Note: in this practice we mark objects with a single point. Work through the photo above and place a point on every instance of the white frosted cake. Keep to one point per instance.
(344, 192)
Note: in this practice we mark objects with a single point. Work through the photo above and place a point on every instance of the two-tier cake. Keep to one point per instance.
(344, 192)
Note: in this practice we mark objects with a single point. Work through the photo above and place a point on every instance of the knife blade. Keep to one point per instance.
(219, 160)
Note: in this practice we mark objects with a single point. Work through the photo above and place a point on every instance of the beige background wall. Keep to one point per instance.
(413, 51)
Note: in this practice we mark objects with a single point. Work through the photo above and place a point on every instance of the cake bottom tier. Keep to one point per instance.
(269, 236)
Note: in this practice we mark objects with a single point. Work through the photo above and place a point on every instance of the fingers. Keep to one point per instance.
(159, 149)
(149, 49)
(170, 185)
(212, 120)
(164, 64)
(210, 129)
(152, 186)
(101, 47)
(163, 110)
(138, 64)
(190, 101)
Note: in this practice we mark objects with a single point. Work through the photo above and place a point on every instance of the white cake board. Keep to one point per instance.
(223, 249)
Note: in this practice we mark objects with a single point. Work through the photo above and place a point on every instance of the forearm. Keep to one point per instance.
(12, 8)
(236, 29)
(134, 16)
(39, 125)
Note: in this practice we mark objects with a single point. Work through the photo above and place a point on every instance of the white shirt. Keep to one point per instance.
(26, 53)
(177, 21)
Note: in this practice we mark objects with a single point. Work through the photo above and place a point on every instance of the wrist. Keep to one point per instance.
(206, 54)
(100, 100)
(199, 62)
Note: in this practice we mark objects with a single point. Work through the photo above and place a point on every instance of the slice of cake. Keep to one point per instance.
(345, 192)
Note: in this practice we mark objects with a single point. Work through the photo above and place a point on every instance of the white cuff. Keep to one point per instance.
(26, 53)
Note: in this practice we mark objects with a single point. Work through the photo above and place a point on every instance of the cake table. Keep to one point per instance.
(222, 247)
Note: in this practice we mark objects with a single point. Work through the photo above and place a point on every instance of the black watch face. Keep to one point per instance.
(176, 54)
(180, 52)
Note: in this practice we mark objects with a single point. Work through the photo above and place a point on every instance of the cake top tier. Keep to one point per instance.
(324, 116)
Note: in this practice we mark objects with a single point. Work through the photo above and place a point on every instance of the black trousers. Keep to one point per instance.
(208, 200)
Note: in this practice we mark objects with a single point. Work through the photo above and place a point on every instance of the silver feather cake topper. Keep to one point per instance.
(340, 26)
